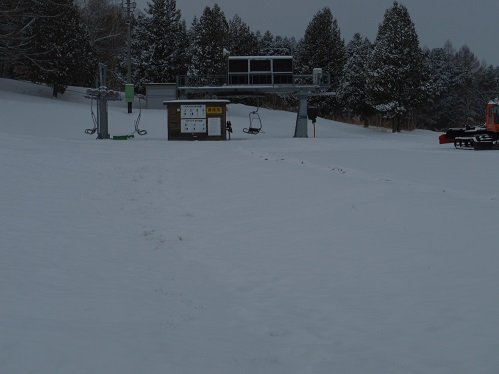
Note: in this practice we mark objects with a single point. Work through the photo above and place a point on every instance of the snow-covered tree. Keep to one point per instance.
(352, 88)
(283, 46)
(395, 66)
(469, 104)
(265, 43)
(458, 87)
(165, 41)
(270, 45)
(241, 40)
(438, 72)
(159, 46)
(61, 42)
(210, 34)
(140, 54)
(322, 47)
(488, 86)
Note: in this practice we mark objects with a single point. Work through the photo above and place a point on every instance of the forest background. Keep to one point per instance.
(390, 81)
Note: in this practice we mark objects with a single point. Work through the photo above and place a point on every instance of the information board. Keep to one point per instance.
(192, 125)
(193, 111)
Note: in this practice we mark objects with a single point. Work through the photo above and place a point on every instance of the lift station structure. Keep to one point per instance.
(257, 76)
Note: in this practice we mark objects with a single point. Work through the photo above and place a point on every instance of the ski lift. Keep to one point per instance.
(137, 130)
(255, 123)
(94, 118)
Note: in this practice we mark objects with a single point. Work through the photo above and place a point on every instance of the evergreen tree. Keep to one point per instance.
(140, 53)
(62, 44)
(437, 78)
(265, 43)
(159, 45)
(352, 88)
(165, 41)
(283, 46)
(241, 40)
(268, 45)
(395, 67)
(460, 87)
(488, 84)
(322, 47)
(209, 41)
(469, 104)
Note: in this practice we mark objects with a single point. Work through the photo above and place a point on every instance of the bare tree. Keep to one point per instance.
(16, 45)
(106, 24)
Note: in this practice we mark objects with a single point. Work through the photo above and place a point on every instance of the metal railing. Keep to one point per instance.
(253, 79)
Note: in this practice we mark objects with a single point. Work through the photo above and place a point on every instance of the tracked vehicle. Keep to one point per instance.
(477, 137)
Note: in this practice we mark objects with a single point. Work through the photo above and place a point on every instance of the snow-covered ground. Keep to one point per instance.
(359, 251)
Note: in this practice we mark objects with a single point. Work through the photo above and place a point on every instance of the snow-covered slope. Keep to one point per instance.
(359, 251)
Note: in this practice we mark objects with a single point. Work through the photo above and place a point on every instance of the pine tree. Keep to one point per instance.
(140, 53)
(283, 46)
(437, 82)
(159, 45)
(487, 84)
(165, 41)
(62, 44)
(322, 47)
(265, 43)
(464, 86)
(352, 88)
(395, 67)
(209, 41)
(241, 40)
(468, 69)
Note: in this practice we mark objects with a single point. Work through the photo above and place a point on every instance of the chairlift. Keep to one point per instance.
(137, 130)
(94, 118)
(255, 123)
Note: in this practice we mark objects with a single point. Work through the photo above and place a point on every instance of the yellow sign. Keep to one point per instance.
(214, 110)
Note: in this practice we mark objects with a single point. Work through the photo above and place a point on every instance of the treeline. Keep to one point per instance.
(57, 42)
(390, 80)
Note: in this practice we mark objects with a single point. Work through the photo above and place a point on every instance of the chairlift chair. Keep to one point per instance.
(255, 123)
(137, 130)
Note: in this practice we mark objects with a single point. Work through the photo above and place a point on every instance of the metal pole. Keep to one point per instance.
(103, 128)
(301, 117)
(103, 132)
(129, 53)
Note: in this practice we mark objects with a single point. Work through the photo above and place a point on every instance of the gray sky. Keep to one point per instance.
(474, 23)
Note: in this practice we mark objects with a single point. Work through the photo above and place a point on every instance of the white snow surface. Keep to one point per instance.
(358, 251)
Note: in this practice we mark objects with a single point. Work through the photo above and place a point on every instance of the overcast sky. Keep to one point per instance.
(474, 23)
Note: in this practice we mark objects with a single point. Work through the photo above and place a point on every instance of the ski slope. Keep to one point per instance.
(359, 251)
